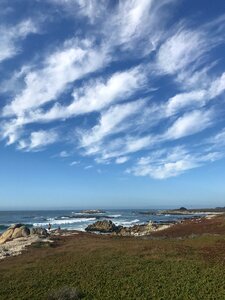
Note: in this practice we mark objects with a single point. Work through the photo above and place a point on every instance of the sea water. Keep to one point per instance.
(77, 220)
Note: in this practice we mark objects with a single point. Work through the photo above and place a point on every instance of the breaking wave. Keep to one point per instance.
(127, 223)
(62, 222)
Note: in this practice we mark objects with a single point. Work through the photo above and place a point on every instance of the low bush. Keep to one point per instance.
(65, 293)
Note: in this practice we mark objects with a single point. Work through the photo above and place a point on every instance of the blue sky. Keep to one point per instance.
(112, 103)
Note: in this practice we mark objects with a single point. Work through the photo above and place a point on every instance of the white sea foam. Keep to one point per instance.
(79, 228)
(127, 223)
(114, 216)
(61, 222)
(85, 214)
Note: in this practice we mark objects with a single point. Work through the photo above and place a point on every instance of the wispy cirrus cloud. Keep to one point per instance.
(121, 160)
(60, 68)
(124, 79)
(95, 95)
(12, 35)
(112, 121)
(37, 140)
(172, 162)
(190, 123)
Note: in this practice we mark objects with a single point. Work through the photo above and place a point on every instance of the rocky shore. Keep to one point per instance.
(17, 237)
(186, 211)
(109, 227)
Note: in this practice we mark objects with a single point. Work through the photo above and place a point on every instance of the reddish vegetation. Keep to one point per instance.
(188, 262)
(194, 227)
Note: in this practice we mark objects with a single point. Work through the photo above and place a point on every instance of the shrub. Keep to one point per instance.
(65, 293)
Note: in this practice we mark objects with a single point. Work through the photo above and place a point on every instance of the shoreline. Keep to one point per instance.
(18, 246)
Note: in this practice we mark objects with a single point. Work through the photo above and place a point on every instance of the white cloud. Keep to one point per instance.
(92, 9)
(88, 167)
(60, 68)
(131, 18)
(195, 98)
(185, 54)
(128, 24)
(138, 25)
(180, 50)
(217, 141)
(112, 121)
(38, 139)
(64, 154)
(171, 162)
(10, 36)
(73, 163)
(190, 123)
(180, 101)
(119, 147)
(102, 64)
(121, 159)
(96, 95)
(217, 86)
(93, 96)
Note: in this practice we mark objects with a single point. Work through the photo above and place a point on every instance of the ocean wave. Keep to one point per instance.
(62, 222)
(74, 217)
(84, 216)
(127, 223)
(114, 216)
(3, 227)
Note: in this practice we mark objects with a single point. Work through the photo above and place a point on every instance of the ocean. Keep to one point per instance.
(78, 220)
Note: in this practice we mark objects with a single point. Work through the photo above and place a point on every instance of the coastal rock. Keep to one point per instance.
(14, 226)
(39, 231)
(107, 226)
(22, 231)
(135, 230)
(13, 232)
(139, 230)
(6, 236)
(92, 211)
(104, 226)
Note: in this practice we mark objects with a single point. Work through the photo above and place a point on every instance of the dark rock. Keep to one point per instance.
(104, 226)
(41, 232)
(14, 226)
(92, 211)
(182, 208)
(138, 230)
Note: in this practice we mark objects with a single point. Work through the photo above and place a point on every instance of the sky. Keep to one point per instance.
(112, 104)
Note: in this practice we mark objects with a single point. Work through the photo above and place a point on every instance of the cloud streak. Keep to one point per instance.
(11, 37)
(117, 82)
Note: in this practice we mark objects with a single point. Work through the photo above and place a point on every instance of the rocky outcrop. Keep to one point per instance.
(138, 230)
(104, 226)
(39, 231)
(6, 236)
(18, 236)
(135, 230)
(22, 231)
(92, 211)
(19, 230)
(13, 232)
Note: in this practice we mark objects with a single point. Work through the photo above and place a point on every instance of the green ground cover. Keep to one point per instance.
(119, 268)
